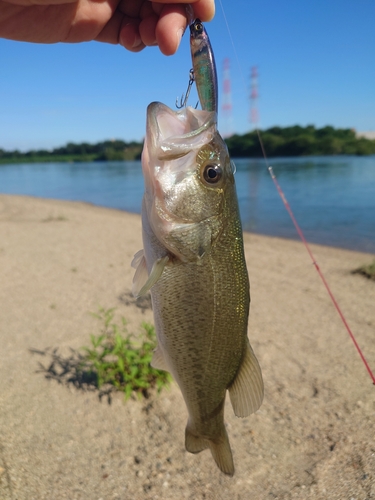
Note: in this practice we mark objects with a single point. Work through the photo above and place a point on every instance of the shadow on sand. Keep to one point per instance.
(70, 370)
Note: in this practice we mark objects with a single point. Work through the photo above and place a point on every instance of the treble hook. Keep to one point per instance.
(184, 98)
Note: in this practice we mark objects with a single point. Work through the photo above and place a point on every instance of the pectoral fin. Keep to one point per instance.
(158, 360)
(137, 258)
(141, 274)
(246, 391)
(142, 282)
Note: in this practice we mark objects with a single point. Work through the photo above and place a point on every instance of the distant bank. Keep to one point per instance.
(301, 141)
(277, 141)
(111, 150)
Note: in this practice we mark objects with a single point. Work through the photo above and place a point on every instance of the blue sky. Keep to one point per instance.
(316, 63)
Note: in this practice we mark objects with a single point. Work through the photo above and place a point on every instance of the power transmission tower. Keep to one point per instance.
(227, 100)
(254, 114)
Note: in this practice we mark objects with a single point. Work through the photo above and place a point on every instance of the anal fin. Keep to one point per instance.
(246, 391)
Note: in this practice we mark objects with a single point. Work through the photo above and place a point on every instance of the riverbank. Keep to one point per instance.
(312, 438)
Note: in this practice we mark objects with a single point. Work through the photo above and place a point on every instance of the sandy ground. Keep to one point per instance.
(313, 437)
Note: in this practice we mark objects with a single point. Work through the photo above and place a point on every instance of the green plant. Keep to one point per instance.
(367, 270)
(116, 359)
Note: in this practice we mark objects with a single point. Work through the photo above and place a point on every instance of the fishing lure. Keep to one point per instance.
(203, 72)
(204, 66)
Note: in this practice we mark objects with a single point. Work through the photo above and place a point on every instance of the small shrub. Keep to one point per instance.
(116, 359)
(367, 270)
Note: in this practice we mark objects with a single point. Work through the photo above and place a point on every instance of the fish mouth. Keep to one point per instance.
(174, 134)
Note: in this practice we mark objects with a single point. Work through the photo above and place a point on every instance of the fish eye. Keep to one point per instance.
(212, 173)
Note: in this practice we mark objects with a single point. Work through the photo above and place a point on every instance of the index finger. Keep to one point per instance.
(204, 9)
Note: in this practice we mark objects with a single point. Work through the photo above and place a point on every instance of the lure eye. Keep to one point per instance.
(198, 26)
(212, 173)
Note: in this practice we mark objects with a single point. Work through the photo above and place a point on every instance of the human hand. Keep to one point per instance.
(134, 24)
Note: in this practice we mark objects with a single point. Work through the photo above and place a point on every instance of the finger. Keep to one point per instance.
(157, 7)
(130, 8)
(110, 32)
(146, 10)
(204, 9)
(28, 3)
(147, 29)
(129, 36)
(170, 28)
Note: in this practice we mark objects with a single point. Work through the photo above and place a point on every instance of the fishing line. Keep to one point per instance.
(294, 220)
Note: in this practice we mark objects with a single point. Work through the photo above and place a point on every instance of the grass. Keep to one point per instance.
(52, 218)
(367, 270)
(116, 359)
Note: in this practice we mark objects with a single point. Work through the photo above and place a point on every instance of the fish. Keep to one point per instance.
(194, 265)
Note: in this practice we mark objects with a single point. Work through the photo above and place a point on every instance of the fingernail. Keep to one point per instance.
(137, 42)
(180, 34)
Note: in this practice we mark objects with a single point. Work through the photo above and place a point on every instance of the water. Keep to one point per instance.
(333, 198)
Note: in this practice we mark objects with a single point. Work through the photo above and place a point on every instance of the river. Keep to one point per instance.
(333, 198)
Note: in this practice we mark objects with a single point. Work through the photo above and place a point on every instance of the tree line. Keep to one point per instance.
(111, 150)
(300, 141)
(277, 141)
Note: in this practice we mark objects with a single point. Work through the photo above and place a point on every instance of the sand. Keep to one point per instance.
(313, 437)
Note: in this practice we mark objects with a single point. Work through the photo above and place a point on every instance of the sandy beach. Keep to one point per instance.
(313, 437)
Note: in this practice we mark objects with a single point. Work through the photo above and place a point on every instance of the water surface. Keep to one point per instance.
(333, 198)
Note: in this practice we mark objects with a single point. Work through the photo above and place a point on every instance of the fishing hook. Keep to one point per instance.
(184, 98)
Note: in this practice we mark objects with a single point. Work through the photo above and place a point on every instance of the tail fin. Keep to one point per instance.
(193, 443)
(220, 449)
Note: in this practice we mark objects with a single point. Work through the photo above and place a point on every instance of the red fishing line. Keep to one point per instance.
(335, 303)
(299, 230)
(302, 236)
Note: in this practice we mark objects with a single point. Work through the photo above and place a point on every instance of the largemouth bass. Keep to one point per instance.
(193, 262)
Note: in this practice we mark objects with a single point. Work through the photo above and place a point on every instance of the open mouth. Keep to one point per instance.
(176, 133)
